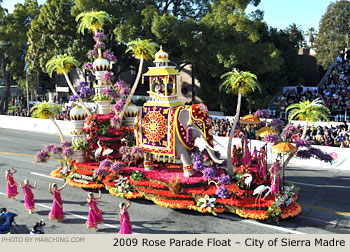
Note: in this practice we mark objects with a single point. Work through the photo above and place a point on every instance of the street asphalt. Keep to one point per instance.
(324, 197)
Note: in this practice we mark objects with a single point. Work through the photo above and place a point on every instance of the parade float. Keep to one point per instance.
(150, 153)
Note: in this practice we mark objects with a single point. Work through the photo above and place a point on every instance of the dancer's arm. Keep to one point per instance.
(129, 204)
(20, 184)
(14, 170)
(65, 184)
(50, 190)
(34, 186)
(99, 194)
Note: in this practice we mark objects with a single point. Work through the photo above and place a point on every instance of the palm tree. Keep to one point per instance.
(311, 32)
(295, 34)
(309, 112)
(62, 64)
(142, 50)
(45, 110)
(93, 20)
(242, 84)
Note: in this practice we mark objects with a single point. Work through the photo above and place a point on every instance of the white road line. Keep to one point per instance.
(4, 138)
(287, 230)
(46, 176)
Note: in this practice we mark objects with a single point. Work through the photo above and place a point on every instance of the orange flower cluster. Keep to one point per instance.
(207, 209)
(83, 171)
(177, 204)
(90, 185)
(57, 173)
(163, 193)
(253, 214)
(128, 195)
(291, 211)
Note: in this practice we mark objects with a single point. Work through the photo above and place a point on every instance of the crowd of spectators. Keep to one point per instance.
(336, 136)
(335, 92)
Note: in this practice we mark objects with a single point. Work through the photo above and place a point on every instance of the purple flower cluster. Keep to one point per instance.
(120, 85)
(222, 192)
(42, 156)
(73, 98)
(224, 179)
(116, 167)
(277, 123)
(56, 150)
(197, 162)
(99, 45)
(109, 56)
(106, 91)
(209, 173)
(92, 54)
(99, 36)
(291, 128)
(303, 143)
(66, 144)
(304, 154)
(119, 105)
(115, 121)
(100, 172)
(49, 147)
(88, 66)
(264, 113)
(106, 164)
(67, 152)
(271, 138)
(84, 91)
(107, 77)
(125, 91)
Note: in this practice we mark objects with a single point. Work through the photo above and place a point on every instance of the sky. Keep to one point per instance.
(277, 13)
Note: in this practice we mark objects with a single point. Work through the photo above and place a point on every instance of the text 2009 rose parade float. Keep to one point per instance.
(150, 153)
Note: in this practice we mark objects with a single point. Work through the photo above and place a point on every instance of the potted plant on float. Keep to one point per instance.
(79, 147)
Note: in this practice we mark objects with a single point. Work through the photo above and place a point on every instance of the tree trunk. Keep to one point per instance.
(128, 100)
(233, 129)
(58, 128)
(7, 77)
(75, 93)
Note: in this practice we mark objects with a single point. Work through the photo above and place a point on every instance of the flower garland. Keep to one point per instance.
(253, 214)
(293, 210)
(175, 204)
(147, 183)
(90, 185)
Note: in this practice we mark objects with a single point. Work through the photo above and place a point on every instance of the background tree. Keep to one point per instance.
(13, 29)
(242, 84)
(45, 110)
(333, 35)
(311, 33)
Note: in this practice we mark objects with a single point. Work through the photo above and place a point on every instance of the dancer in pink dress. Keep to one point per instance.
(254, 157)
(11, 189)
(125, 223)
(56, 212)
(95, 214)
(246, 158)
(28, 195)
